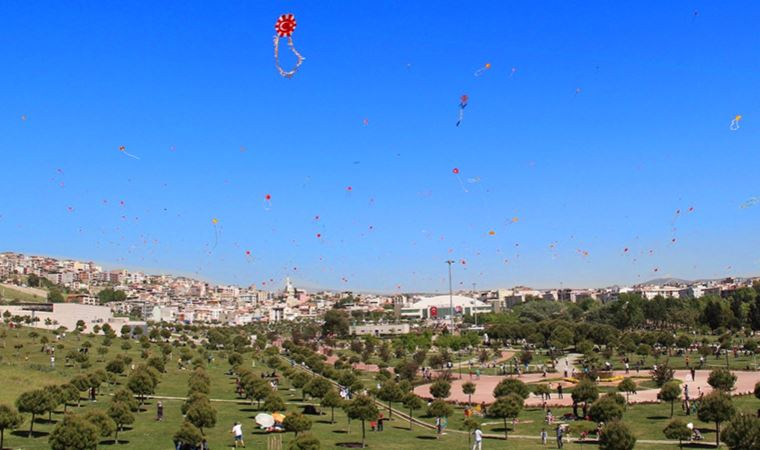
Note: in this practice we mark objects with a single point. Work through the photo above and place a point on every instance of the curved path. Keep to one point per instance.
(745, 384)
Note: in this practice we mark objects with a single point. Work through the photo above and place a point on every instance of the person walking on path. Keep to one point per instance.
(560, 433)
(237, 431)
(559, 390)
(478, 444)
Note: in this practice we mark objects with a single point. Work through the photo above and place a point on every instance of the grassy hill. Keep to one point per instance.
(10, 293)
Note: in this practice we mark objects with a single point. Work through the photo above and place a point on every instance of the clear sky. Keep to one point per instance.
(595, 124)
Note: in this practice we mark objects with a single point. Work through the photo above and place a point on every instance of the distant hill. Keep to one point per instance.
(23, 294)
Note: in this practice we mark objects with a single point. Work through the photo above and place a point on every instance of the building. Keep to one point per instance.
(380, 329)
(438, 307)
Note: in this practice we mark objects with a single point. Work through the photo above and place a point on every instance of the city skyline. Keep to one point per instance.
(593, 150)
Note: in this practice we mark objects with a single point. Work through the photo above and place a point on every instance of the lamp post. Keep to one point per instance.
(451, 294)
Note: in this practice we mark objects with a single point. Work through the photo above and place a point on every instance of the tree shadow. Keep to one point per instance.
(113, 442)
(349, 444)
(340, 431)
(25, 433)
(501, 429)
(658, 417)
(426, 438)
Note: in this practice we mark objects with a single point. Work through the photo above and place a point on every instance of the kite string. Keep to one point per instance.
(300, 58)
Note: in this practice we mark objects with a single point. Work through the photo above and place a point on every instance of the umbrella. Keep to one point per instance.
(278, 417)
(265, 420)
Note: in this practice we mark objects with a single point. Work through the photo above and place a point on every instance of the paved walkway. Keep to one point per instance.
(745, 384)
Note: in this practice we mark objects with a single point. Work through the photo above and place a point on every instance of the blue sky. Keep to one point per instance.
(616, 117)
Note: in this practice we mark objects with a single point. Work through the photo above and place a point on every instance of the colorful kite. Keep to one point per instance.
(214, 222)
(734, 125)
(124, 150)
(285, 26)
(462, 105)
(482, 70)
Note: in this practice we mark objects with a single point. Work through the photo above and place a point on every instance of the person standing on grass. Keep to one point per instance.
(559, 390)
(544, 436)
(160, 411)
(237, 431)
(478, 444)
(559, 436)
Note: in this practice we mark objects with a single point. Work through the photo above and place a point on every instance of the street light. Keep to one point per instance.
(451, 294)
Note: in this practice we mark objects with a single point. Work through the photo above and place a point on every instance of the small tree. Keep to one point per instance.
(296, 423)
(677, 429)
(440, 409)
(105, 424)
(33, 402)
(362, 408)
(274, 402)
(616, 436)
(121, 415)
(716, 407)
(584, 392)
(412, 402)
(306, 441)
(605, 409)
(670, 392)
(317, 387)
(332, 400)
(722, 379)
(69, 394)
(10, 419)
(468, 389)
(299, 380)
(628, 386)
(390, 392)
(662, 375)
(742, 432)
(202, 415)
(125, 396)
(188, 435)
(542, 390)
(142, 384)
(74, 433)
(511, 386)
(504, 408)
(440, 389)
(470, 425)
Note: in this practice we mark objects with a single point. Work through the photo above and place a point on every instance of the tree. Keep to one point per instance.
(670, 392)
(390, 392)
(336, 322)
(121, 415)
(202, 415)
(188, 435)
(468, 389)
(235, 359)
(412, 402)
(10, 419)
(677, 429)
(317, 387)
(584, 392)
(439, 409)
(274, 402)
(662, 375)
(511, 386)
(628, 386)
(125, 396)
(616, 436)
(55, 296)
(716, 407)
(74, 433)
(105, 424)
(332, 400)
(742, 432)
(504, 408)
(605, 409)
(300, 379)
(296, 423)
(722, 379)
(33, 402)
(69, 394)
(306, 441)
(142, 384)
(362, 408)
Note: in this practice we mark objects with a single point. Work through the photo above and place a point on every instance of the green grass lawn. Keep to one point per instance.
(30, 369)
(9, 294)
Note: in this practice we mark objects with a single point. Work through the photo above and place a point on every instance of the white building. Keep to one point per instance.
(439, 307)
(380, 329)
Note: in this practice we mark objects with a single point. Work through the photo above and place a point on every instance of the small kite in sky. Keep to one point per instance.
(752, 201)
(462, 105)
(482, 70)
(734, 125)
(214, 222)
(267, 201)
(285, 26)
(513, 72)
(124, 150)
